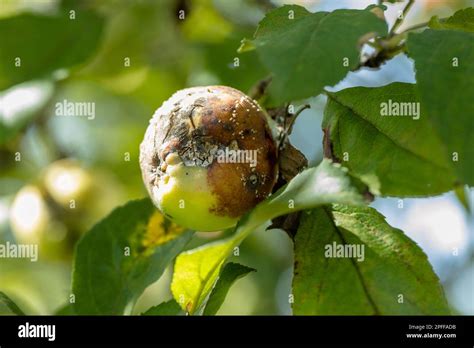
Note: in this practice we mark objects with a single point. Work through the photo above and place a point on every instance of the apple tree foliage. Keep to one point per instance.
(366, 155)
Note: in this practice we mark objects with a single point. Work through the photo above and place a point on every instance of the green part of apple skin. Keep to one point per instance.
(185, 197)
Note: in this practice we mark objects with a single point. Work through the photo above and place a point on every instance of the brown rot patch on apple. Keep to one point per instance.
(222, 130)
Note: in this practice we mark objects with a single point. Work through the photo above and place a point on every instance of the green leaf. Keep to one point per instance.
(246, 45)
(201, 23)
(220, 59)
(462, 194)
(395, 155)
(392, 276)
(445, 85)
(121, 255)
(462, 20)
(67, 309)
(230, 274)
(170, 307)
(196, 271)
(8, 307)
(307, 51)
(20, 104)
(34, 45)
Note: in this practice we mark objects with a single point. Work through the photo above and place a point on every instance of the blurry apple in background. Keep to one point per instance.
(29, 215)
(84, 196)
(32, 222)
(65, 203)
(67, 183)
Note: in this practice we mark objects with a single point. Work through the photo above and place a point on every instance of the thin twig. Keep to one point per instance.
(380, 57)
(400, 19)
(288, 128)
(416, 26)
(386, 53)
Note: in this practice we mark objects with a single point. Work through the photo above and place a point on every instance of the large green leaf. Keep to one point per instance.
(230, 274)
(391, 276)
(121, 255)
(396, 155)
(197, 270)
(307, 51)
(445, 84)
(462, 20)
(45, 43)
(8, 307)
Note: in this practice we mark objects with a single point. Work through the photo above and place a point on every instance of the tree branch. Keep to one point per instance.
(417, 26)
